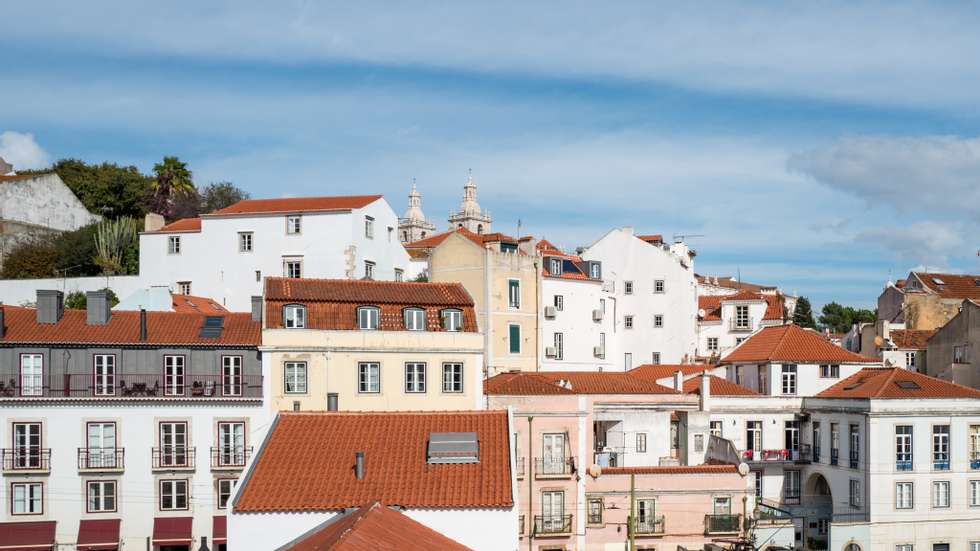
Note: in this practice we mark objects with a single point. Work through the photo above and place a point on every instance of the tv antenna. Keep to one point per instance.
(685, 236)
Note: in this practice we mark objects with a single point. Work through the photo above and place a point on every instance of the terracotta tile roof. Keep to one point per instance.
(169, 328)
(719, 387)
(911, 338)
(654, 238)
(674, 469)
(332, 303)
(417, 254)
(306, 462)
(436, 239)
(370, 528)
(528, 383)
(732, 283)
(287, 205)
(791, 343)
(182, 225)
(953, 286)
(190, 304)
(654, 372)
(895, 382)
(711, 304)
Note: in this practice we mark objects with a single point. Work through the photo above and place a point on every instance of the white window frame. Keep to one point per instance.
(31, 375)
(627, 321)
(658, 321)
(910, 360)
(292, 267)
(594, 270)
(368, 377)
(174, 374)
(29, 496)
(231, 443)
(559, 340)
(452, 377)
(369, 227)
(415, 377)
(295, 377)
(174, 489)
(370, 268)
(854, 493)
(366, 315)
(226, 487)
(232, 378)
(941, 494)
(245, 241)
(294, 224)
(104, 374)
(712, 344)
(742, 319)
(173, 244)
(452, 319)
(789, 476)
(627, 287)
(973, 489)
(559, 303)
(414, 318)
(399, 274)
(556, 265)
(904, 495)
(514, 294)
(789, 381)
(294, 316)
(829, 371)
(659, 287)
(641, 442)
(97, 502)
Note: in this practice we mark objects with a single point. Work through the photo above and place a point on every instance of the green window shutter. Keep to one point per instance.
(515, 339)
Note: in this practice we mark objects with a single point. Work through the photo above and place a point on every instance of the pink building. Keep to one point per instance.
(579, 438)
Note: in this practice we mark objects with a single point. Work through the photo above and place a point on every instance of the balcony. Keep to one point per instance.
(607, 459)
(552, 525)
(903, 462)
(101, 459)
(230, 458)
(740, 325)
(649, 526)
(816, 454)
(722, 524)
(26, 460)
(137, 385)
(855, 459)
(975, 460)
(520, 465)
(559, 467)
(778, 455)
(940, 462)
(174, 458)
(834, 454)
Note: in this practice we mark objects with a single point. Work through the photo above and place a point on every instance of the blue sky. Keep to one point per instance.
(824, 148)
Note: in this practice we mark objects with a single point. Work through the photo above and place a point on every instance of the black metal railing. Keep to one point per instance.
(552, 524)
(174, 457)
(137, 385)
(559, 466)
(230, 457)
(804, 454)
(834, 455)
(718, 524)
(27, 458)
(649, 525)
(940, 461)
(94, 459)
(736, 324)
(855, 458)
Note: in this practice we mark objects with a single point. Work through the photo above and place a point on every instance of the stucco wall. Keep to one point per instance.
(23, 292)
(963, 329)
(579, 330)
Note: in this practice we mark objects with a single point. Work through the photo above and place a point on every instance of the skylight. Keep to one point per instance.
(908, 385)
(212, 326)
(453, 447)
(852, 386)
(938, 281)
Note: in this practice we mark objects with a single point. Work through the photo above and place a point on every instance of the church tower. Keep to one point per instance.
(413, 226)
(469, 215)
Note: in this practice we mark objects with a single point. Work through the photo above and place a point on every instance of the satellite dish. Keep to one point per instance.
(743, 469)
(879, 341)
(701, 313)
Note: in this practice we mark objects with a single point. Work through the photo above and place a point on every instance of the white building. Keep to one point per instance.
(652, 296)
(225, 254)
(726, 320)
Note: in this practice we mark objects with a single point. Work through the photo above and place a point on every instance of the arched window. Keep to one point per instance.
(414, 319)
(294, 316)
(452, 319)
(368, 317)
(423, 235)
(852, 547)
(479, 229)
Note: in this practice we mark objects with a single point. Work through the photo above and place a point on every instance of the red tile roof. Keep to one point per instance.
(911, 338)
(373, 527)
(711, 304)
(654, 372)
(190, 304)
(732, 283)
(297, 204)
(719, 387)
(182, 225)
(953, 286)
(791, 343)
(654, 238)
(332, 303)
(895, 382)
(436, 239)
(170, 328)
(527, 383)
(306, 462)
(675, 469)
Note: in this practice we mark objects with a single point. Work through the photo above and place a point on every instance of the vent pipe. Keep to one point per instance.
(257, 308)
(359, 465)
(142, 324)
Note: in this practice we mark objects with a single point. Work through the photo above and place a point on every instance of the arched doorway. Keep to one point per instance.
(819, 503)
(852, 547)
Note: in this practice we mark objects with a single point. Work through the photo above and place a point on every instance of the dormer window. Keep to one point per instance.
(595, 270)
(555, 266)
(294, 316)
(414, 319)
(368, 317)
(452, 320)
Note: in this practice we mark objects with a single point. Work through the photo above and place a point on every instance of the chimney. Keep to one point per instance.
(705, 391)
(153, 221)
(97, 307)
(1, 320)
(628, 230)
(142, 324)
(50, 306)
(679, 380)
(257, 308)
(332, 401)
(359, 465)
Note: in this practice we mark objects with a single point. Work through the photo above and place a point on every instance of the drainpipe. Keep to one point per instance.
(529, 473)
(538, 329)
(487, 320)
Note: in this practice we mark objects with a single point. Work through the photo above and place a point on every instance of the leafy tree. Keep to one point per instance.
(107, 189)
(31, 259)
(77, 252)
(803, 314)
(421, 278)
(172, 179)
(79, 300)
(216, 196)
(839, 319)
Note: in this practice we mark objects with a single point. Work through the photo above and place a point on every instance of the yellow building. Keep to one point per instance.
(370, 346)
(504, 281)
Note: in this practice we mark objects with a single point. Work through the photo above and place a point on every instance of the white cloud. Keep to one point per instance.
(21, 151)
(926, 243)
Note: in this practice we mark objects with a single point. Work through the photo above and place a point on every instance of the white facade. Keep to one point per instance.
(23, 292)
(211, 262)
(583, 343)
(791, 379)
(739, 318)
(631, 268)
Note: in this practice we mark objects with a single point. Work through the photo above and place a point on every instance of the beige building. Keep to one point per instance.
(370, 346)
(504, 281)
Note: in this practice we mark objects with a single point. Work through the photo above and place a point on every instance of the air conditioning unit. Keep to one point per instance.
(597, 315)
(549, 312)
(549, 351)
(598, 352)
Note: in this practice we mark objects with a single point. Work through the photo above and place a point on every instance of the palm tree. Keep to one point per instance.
(172, 180)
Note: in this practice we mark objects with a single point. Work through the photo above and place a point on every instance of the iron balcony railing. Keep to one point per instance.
(101, 459)
(940, 461)
(975, 460)
(648, 525)
(720, 524)
(137, 385)
(736, 324)
(903, 462)
(557, 466)
(230, 457)
(552, 524)
(816, 454)
(834, 455)
(855, 458)
(799, 455)
(174, 457)
(26, 459)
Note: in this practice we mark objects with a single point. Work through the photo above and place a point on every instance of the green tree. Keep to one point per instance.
(216, 196)
(839, 319)
(107, 189)
(79, 301)
(803, 314)
(172, 179)
(112, 240)
(37, 257)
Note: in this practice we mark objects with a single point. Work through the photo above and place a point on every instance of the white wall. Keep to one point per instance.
(727, 339)
(45, 201)
(24, 291)
(575, 323)
(808, 379)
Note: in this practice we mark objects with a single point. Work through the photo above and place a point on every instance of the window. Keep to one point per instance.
(658, 286)
(940, 447)
(910, 361)
(173, 375)
(369, 377)
(414, 319)
(975, 493)
(368, 317)
(753, 438)
(974, 437)
(791, 485)
(628, 287)
(514, 293)
(742, 320)
(699, 443)
(959, 354)
(452, 320)
(738, 340)
(369, 269)
(646, 515)
(834, 443)
(100, 445)
(28, 453)
(452, 377)
(173, 450)
(245, 242)
(903, 495)
(555, 266)
(26, 498)
(231, 444)
(104, 371)
(855, 441)
(225, 488)
(293, 225)
(559, 346)
(173, 495)
(559, 303)
(628, 361)
(415, 377)
(789, 379)
(391, 231)
(292, 267)
(712, 344)
(855, 493)
(722, 506)
(369, 227)
(173, 244)
(258, 275)
(715, 428)
(595, 510)
(641, 442)
(904, 547)
(294, 316)
(791, 435)
(31, 375)
(294, 377)
(101, 496)
(628, 322)
(903, 448)
(231, 375)
(658, 320)
(514, 338)
(594, 270)
(758, 484)
(184, 287)
(602, 346)
(552, 513)
(940, 494)
(974, 546)
(399, 274)
(830, 371)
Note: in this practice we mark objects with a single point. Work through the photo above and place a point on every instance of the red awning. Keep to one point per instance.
(172, 530)
(219, 530)
(27, 536)
(98, 535)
